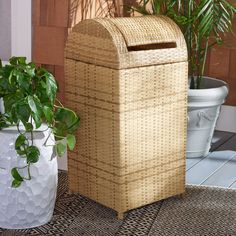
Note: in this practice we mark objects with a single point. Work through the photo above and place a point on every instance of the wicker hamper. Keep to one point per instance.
(127, 79)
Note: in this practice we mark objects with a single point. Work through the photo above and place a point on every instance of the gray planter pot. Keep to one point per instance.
(203, 112)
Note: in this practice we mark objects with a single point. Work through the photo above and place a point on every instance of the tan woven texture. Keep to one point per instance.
(127, 79)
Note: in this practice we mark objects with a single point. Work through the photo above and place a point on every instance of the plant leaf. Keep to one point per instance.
(22, 80)
(22, 111)
(32, 104)
(68, 121)
(48, 113)
(29, 127)
(32, 154)
(51, 86)
(71, 141)
(61, 149)
(20, 141)
(15, 174)
(16, 183)
(37, 120)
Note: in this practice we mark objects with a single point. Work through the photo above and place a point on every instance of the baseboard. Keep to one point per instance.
(227, 119)
(4, 63)
(62, 163)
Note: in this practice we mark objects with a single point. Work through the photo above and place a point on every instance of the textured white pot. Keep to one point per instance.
(31, 204)
(203, 112)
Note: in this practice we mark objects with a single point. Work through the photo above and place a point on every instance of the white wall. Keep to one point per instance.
(21, 28)
(5, 29)
(227, 119)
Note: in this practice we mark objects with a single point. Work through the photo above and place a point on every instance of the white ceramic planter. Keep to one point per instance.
(31, 204)
(203, 112)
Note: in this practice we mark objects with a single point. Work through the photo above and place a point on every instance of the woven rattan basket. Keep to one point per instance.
(127, 79)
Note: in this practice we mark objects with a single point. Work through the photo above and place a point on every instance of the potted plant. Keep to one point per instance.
(203, 24)
(34, 129)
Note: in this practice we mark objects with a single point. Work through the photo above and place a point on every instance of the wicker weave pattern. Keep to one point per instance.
(131, 143)
(106, 42)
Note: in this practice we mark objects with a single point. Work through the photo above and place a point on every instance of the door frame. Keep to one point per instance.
(21, 21)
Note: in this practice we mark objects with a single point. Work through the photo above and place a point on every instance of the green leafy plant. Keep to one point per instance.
(29, 96)
(203, 22)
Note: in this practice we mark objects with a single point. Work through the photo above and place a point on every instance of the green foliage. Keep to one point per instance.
(203, 22)
(71, 141)
(32, 154)
(17, 179)
(16, 183)
(60, 148)
(16, 175)
(29, 96)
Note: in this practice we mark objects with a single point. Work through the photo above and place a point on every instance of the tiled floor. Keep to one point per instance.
(219, 167)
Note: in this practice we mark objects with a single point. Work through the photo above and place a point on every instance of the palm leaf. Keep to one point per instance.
(203, 23)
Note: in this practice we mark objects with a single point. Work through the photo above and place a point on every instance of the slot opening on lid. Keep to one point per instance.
(152, 46)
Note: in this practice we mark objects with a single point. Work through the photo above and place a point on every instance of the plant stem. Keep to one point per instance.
(18, 128)
(29, 172)
(31, 132)
(205, 56)
(23, 167)
(59, 103)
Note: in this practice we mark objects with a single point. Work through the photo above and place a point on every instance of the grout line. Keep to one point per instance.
(203, 158)
(156, 217)
(209, 186)
(232, 184)
(234, 155)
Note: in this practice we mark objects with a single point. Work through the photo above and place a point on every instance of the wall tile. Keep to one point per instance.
(54, 13)
(48, 45)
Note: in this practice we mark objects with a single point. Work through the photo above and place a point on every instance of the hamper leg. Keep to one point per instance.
(182, 195)
(120, 215)
(71, 191)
